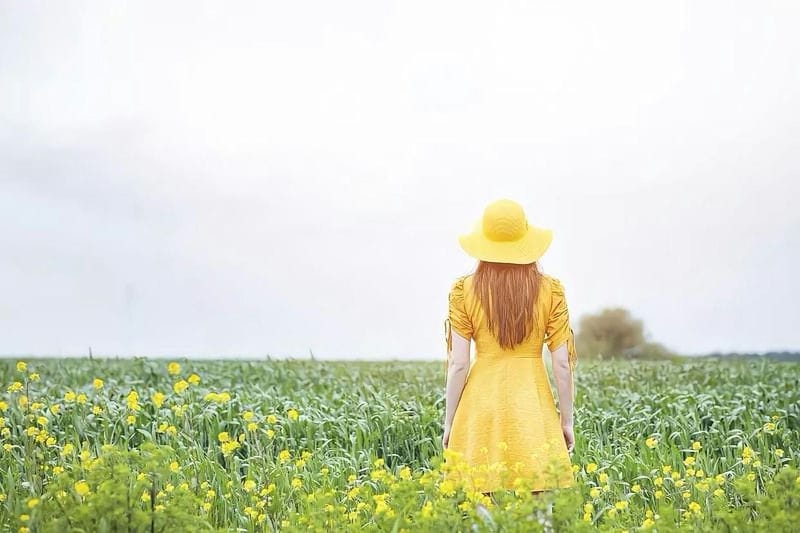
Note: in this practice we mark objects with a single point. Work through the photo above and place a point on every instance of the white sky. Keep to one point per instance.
(193, 178)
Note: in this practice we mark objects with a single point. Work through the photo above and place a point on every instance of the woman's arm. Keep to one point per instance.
(457, 370)
(563, 374)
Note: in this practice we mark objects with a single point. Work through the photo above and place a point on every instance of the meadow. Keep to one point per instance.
(157, 445)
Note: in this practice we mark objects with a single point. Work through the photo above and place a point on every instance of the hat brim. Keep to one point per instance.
(528, 249)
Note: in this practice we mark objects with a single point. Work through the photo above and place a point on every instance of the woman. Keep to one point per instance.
(501, 423)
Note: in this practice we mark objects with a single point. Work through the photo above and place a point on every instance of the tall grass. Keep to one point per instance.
(278, 445)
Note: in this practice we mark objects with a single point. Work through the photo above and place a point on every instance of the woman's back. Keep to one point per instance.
(501, 418)
(467, 317)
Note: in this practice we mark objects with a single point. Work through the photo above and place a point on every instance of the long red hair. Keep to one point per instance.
(508, 294)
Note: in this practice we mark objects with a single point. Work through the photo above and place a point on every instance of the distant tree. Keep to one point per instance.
(613, 332)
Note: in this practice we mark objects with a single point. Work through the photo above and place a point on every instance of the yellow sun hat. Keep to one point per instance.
(503, 235)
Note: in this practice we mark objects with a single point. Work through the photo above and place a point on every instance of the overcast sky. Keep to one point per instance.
(235, 178)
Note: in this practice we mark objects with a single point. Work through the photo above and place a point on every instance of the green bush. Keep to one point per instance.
(119, 490)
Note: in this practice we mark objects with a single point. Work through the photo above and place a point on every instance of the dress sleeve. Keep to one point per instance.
(457, 317)
(559, 330)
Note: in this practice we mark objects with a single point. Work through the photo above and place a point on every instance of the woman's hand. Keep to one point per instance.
(569, 436)
(446, 436)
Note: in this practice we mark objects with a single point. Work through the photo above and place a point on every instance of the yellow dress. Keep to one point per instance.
(506, 430)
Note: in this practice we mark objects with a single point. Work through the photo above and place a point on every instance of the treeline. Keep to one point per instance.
(613, 333)
(776, 356)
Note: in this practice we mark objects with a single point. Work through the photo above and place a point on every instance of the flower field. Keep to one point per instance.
(156, 445)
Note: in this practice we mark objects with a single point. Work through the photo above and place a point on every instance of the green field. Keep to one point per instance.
(321, 446)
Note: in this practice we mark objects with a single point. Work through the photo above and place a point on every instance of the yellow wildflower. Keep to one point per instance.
(82, 488)
(180, 386)
(98, 383)
(158, 399)
(133, 400)
(229, 447)
(427, 509)
(447, 487)
(174, 368)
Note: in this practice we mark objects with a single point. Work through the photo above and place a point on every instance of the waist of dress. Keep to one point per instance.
(502, 355)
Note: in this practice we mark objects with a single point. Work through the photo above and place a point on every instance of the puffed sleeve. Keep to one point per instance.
(457, 316)
(558, 329)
